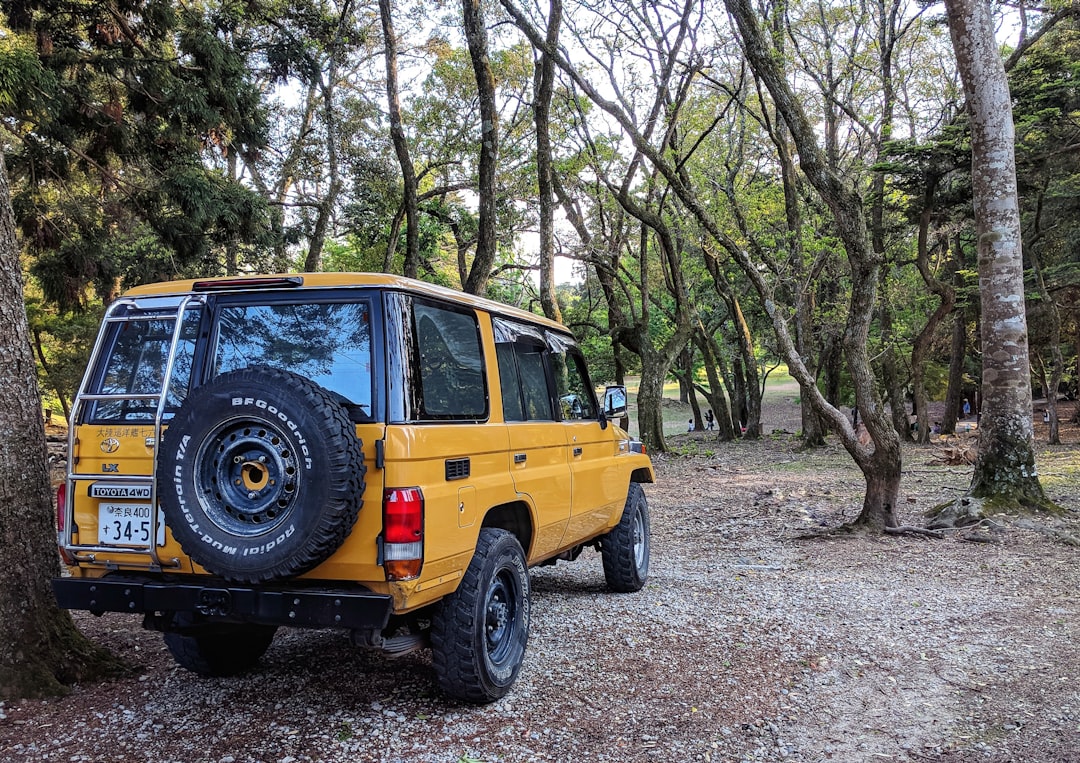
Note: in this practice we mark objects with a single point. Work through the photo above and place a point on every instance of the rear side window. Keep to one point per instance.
(135, 353)
(524, 383)
(513, 410)
(450, 362)
(542, 374)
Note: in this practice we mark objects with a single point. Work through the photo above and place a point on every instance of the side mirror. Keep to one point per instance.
(615, 402)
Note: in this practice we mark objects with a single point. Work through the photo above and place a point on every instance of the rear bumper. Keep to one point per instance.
(304, 607)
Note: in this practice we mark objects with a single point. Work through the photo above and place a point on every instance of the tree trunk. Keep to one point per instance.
(740, 396)
(313, 261)
(1057, 361)
(747, 389)
(686, 382)
(920, 349)
(954, 395)
(545, 85)
(40, 649)
(880, 462)
(650, 402)
(725, 429)
(813, 430)
(1005, 466)
(476, 37)
(401, 147)
(890, 371)
(832, 369)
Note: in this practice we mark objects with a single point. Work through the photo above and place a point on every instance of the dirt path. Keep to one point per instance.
(745, 645)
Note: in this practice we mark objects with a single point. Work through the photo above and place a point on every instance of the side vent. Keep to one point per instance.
(457, 468)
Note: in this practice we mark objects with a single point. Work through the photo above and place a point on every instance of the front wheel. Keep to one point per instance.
(625, 549)
(479, 632)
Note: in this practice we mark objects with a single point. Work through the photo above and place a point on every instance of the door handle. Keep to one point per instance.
(519, 458)
(577, 452)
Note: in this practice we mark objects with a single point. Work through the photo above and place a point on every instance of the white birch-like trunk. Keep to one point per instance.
(1005, 468)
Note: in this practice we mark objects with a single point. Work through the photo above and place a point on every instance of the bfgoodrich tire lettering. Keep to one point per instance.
(260, 475)
(626, 548)
(479, 632)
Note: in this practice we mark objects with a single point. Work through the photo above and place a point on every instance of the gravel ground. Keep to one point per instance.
(747, 644)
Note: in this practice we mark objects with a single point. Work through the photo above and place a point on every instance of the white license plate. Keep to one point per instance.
(127, 524)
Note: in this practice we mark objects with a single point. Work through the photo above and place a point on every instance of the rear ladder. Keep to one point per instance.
(122, 311)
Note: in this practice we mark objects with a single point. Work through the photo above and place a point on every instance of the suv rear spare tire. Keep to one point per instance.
(261, 475)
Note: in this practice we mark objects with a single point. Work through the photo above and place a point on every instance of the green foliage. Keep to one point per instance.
(134, 104)
(62, 345)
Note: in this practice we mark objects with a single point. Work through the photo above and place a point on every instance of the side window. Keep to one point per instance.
(575, 393)
(534, 385)
(450, 364)
(513, 410)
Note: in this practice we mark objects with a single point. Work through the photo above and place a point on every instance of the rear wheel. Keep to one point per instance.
(218, 649)
(478, 633)
(626, 548)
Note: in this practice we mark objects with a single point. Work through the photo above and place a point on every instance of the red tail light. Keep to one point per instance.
(61, 522)
(61, 514)
(403, 532)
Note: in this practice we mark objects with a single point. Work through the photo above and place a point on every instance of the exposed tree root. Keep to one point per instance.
(821, 533)
(921, 532)
(969, 510)
(853, 529)
(1052, 532)
(963, 512)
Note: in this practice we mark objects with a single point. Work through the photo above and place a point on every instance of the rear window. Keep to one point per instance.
(136, 353)
(329, 343)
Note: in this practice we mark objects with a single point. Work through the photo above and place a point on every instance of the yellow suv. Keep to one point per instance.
(353, 451)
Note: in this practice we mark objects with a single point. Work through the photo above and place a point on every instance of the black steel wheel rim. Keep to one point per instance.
(501, 616)
(248, 477)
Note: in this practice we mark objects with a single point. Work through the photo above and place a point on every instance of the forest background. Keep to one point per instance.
(475, 145)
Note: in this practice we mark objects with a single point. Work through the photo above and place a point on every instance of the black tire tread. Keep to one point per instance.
(617, 547)
(458, 666)
(229, 651)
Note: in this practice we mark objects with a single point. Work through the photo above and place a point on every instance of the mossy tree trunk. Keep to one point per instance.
(40, 649)
(1005, 470)
(486, 238)
(409, 203)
